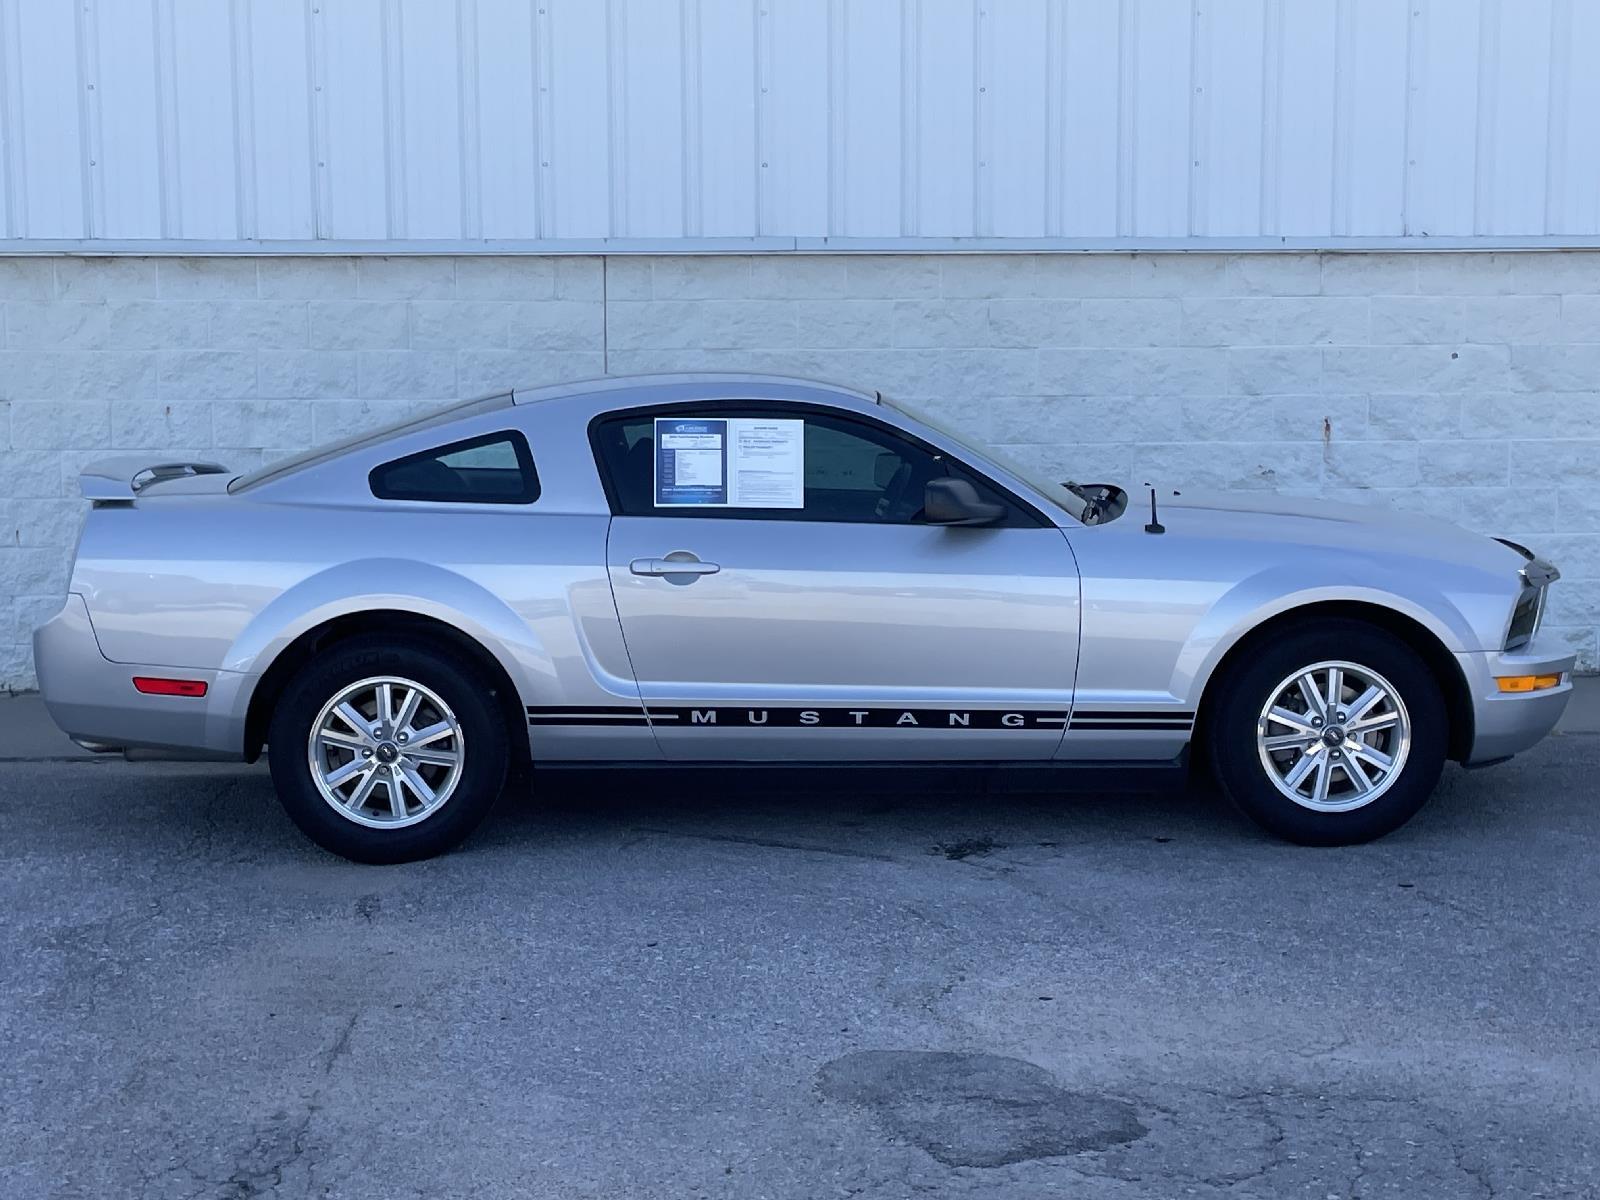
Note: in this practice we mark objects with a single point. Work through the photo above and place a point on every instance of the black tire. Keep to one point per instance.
(1243, 693)
(455, 680)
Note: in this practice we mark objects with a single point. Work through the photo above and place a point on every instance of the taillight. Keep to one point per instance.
(152, 686)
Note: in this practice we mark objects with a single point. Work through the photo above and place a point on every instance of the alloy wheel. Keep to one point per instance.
(386, 752)
(1334, 736)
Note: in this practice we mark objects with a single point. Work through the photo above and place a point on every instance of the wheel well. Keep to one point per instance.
(321, 638)
(1446, 671)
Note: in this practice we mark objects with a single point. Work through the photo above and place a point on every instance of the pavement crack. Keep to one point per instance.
(774, 844)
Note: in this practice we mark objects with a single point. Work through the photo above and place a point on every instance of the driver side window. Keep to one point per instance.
(854, 471)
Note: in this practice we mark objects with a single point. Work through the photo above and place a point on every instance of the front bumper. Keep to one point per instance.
(94, 702)
(1506, 723)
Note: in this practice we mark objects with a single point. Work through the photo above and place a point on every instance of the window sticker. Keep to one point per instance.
(735, 462)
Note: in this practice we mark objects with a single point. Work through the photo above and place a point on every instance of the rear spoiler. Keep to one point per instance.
(120, 480)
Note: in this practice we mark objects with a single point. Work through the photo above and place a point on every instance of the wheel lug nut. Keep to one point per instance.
(1317, 721)
(366, 754)
(1337, 717)
(401, 738)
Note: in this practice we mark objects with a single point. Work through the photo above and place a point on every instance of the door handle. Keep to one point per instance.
(679, 562)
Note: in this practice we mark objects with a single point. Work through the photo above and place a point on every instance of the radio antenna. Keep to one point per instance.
(1155, 525)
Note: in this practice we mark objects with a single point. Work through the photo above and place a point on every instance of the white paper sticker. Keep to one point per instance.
(729, 462)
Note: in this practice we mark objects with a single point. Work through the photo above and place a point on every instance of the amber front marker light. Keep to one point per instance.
(1527, 683)
(152, 686)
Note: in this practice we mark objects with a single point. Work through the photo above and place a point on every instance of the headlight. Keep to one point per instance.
(1537, 576)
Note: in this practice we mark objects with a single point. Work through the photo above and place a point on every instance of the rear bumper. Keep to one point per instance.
(94, 702)
(1506, 723)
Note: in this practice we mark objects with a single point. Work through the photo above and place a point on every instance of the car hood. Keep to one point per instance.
(1321, 521)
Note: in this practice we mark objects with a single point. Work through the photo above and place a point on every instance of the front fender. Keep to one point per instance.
(1275, 591)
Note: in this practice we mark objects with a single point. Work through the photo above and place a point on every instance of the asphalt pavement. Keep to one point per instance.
(649, 988)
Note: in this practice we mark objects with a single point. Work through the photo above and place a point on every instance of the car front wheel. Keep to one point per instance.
(1333, 734)
(385, 752)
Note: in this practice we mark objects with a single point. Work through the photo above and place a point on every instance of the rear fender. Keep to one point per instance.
(346, 589)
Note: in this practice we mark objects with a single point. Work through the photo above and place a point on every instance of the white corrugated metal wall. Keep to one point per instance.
(551, 124)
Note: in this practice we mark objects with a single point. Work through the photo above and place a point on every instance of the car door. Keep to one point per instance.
(824, 618)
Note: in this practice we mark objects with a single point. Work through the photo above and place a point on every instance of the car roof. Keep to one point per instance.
(712, 385)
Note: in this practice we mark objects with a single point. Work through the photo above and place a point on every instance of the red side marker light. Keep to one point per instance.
(152, 686)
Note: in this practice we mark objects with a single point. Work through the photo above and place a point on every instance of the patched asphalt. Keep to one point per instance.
(652, 988)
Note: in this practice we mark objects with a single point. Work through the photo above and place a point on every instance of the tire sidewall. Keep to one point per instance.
(455, 681)
(1246, 690)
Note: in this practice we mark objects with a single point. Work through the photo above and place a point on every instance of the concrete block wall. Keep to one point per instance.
(1461, 385)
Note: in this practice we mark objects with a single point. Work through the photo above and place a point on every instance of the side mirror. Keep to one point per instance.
(956, 502)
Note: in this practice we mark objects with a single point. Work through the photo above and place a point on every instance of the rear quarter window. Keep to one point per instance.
(495, 468)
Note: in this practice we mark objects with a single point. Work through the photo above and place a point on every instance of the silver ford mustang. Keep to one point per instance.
(700, 569)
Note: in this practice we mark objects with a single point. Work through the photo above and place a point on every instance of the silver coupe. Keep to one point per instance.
(716, 569)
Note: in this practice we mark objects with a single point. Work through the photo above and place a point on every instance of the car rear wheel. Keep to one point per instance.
(385, 752)
(1329, 735)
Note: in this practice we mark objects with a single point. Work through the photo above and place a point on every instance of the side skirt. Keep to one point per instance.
(1132, 777)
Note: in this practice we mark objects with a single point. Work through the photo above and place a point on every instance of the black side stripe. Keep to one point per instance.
(1086, 719)
(858, 716)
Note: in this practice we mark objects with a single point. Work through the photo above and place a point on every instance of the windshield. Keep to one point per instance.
(371, 437)
(1058, 492)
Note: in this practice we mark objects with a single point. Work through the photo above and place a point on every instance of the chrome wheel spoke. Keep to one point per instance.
(1319, 790)
(1289, 741)
(347, 741)
(431, 734)
(1302, 768)
(339, 774)
(355, 720)
(408, 711)
(416, 783)
(1373, 724)
(1376, 757)
(358, 798)
(1363, 704)
(1335, 693)
(1293, 720)
(1356, 774)
(427, 754)
(1313, 698)
(397, 793)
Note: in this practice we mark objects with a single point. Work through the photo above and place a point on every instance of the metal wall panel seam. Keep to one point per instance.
(767, 145)
(982, 121)
(1271, 115)
(1055, 93)
(838, 93)
(317, 80)
(1488, 67)
(1339, 201)
(87, 45)
(617, 116)
(543, 130)
(468, 101)
(241, 47)
(15, 197)
(910, 117)
(689, 36)
(394, 116)
(1416, 102)
(710, 246)
(1556, 124)
(170, 172)
(1199, 110)
(1127, 114)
